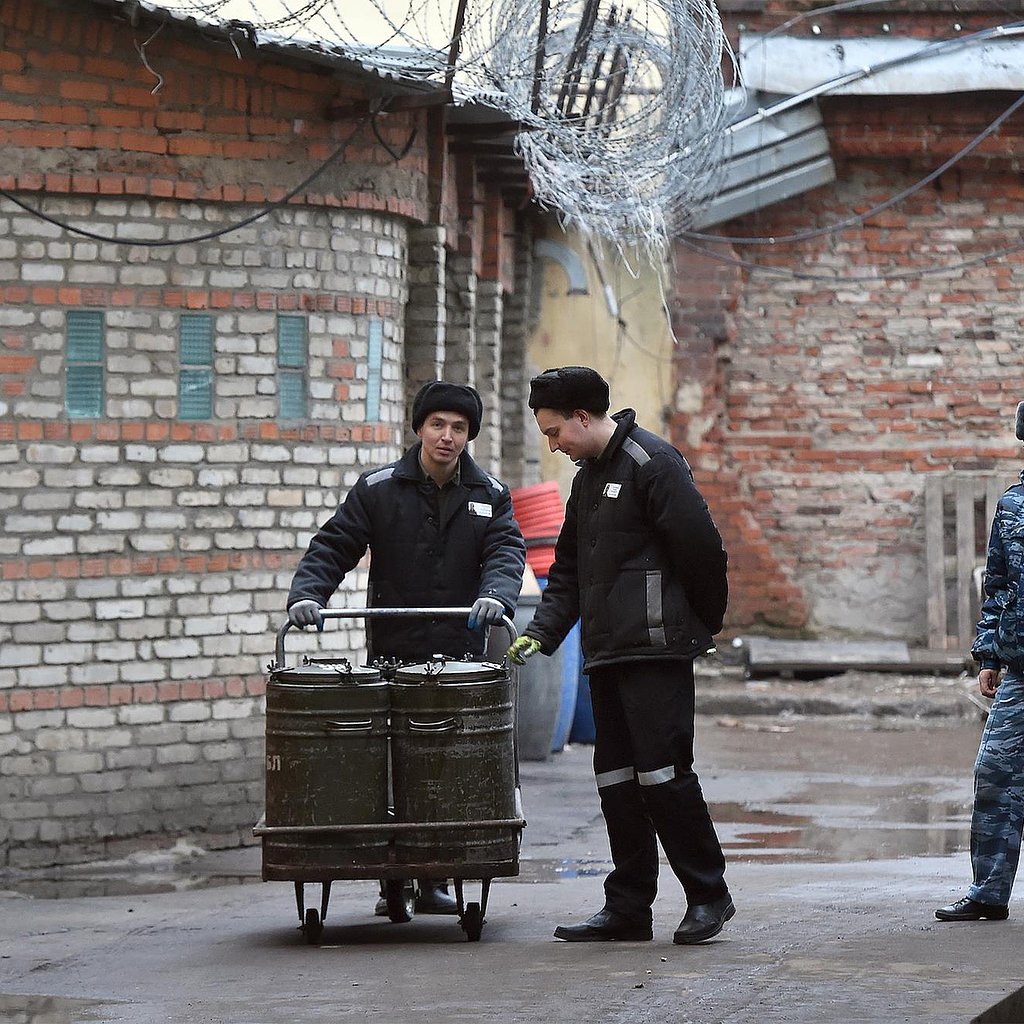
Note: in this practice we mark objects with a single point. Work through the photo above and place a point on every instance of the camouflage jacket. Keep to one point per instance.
(1000, 639)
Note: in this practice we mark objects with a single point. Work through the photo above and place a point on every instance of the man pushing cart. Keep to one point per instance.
(441, 534)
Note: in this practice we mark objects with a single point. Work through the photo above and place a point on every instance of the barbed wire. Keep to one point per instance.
(623, 112)
(620, 104)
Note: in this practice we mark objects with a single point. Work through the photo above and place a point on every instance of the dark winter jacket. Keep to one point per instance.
(1000, 638)
(418, 557)
(638, 559)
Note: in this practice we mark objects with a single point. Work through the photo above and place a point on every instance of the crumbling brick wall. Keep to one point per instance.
(822, 406)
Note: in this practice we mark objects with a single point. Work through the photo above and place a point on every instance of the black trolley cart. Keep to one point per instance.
(394, 773)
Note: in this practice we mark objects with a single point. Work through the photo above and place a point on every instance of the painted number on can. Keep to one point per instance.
(273, 762)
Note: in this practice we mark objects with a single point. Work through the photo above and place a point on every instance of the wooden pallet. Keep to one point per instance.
(769, 656)
(958, 511)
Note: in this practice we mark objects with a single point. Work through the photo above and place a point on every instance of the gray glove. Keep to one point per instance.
(306, 613)
(485, 612)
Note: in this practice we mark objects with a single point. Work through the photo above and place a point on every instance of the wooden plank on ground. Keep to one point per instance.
(940, 662)
(766, 654)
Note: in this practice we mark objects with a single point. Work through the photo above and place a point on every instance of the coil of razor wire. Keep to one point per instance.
(621, 105)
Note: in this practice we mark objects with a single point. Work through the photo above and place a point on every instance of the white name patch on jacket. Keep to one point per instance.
(480, 508)
(612, 490)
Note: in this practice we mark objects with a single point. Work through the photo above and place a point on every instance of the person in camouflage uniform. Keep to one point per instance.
(998, 816)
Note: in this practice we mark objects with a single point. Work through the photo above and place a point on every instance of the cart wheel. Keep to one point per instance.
(472, 922)
(401, 900)
(313, 926)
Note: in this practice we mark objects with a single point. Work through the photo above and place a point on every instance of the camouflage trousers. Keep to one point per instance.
(999, 796)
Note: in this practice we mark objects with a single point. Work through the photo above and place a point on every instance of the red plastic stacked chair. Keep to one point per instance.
(539, 511)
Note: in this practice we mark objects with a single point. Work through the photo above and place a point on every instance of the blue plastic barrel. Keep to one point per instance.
(583, 729)
(572, 659)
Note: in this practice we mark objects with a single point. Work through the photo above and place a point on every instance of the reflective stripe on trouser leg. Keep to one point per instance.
(998, 815)
(687, 834)
(615, 777)
(657, 701)
(657, 777)
(632, 884)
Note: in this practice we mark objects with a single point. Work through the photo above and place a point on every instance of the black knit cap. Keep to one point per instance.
(441, 396)
(568, 388)
(1019, 425)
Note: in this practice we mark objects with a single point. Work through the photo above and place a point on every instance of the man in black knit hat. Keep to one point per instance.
(640, 562)
(440, 532)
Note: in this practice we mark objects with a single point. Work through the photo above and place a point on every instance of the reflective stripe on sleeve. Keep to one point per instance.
(613, 778)
(380, 476)
(656, 777)
(635, 452)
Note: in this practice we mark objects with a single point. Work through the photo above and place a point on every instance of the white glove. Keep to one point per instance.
(486, 611)
(306, 613)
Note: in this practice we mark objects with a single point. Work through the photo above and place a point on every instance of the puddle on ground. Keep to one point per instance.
(552, 870)
(846, 822)
(50, 1010)
(830, 821)
(178, 868)
(67, 887)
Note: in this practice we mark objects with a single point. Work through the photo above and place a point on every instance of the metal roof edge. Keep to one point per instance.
(317, 54)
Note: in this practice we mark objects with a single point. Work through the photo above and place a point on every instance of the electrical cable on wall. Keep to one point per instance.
(620, 107)
(880, 277)
(206, 236)
(848, 5)
(599, 92)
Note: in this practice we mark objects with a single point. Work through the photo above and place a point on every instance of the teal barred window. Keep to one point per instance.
(374, 359)
(195, 366)
(291, 367)
(83, 394)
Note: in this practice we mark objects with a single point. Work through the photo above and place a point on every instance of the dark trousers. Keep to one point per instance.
(643, 760)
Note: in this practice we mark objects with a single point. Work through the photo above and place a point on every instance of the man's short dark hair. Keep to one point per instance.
(567, 388)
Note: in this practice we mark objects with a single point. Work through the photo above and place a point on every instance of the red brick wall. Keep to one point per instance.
(921, 18)
(78, 113)
(703, 320)
(822, 405)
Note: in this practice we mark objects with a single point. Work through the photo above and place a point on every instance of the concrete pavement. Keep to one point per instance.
(843, 833)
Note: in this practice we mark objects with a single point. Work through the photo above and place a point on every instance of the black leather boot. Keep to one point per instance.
(606, 926)
(433, 898)
(704, 921)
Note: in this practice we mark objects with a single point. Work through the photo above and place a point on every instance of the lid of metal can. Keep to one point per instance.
(441, 670)
(338, 672)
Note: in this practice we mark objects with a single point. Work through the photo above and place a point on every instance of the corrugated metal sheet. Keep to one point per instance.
(885, 65)
(771, 159)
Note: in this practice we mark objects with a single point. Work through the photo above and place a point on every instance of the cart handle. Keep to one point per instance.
(383, 613)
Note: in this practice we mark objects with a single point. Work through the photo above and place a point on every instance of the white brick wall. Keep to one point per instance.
(147, 560)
